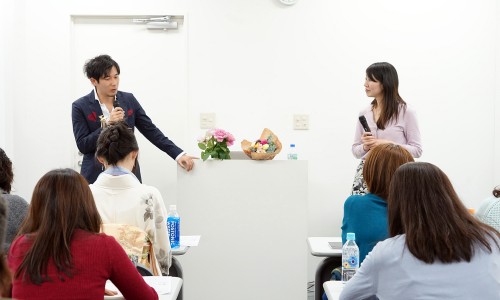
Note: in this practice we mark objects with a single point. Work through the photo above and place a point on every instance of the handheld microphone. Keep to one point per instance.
(116, 103)
(363, 122)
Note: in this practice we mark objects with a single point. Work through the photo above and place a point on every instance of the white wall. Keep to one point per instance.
(11, 35)
(496, 137)
(256, 63)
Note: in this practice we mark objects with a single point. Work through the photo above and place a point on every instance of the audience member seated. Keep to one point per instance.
(437, 249)
(489, 211)
(17, 207)
(137, 245)
(4, 270)
(366, 215)
(60, 253)
(122, 199)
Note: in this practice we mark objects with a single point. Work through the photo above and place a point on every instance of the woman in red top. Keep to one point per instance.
(60, 253)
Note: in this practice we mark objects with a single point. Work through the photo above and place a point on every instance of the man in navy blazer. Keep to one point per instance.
(106, 105)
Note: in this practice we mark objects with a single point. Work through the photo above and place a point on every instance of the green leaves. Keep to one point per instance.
(204, 155)
(213, 148)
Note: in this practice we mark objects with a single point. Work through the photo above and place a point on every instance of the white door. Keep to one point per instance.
(153, 67)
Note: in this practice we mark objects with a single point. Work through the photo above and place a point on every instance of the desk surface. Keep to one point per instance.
(319, 246)
(181, 250)
(333, 289)
(176, 284)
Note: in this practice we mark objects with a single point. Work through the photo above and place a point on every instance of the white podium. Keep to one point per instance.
(252, 218)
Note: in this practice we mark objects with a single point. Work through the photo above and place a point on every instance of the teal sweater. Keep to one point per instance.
(366, 216)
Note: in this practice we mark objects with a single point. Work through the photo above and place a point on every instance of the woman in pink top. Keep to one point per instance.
(389, 118)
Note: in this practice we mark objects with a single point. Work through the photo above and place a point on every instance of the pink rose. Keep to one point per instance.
(263, 142)
(229, 139)
(220, 135)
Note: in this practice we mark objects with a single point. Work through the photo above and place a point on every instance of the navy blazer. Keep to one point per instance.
(87, 127)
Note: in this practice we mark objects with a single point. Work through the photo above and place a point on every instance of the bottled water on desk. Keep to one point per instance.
(173, 226)
(292, 152)
(350, 257)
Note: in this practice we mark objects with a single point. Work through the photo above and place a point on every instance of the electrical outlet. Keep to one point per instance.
(301, 122)
(207, 120)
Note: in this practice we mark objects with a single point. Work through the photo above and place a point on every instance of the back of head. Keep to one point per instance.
(61, 203)
(423, 205)
(496, 192)
(380, 165)
(6, 174)
(100, 66)
(115, 142)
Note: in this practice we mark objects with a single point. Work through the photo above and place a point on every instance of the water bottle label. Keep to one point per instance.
(173, 225)
(351, 263)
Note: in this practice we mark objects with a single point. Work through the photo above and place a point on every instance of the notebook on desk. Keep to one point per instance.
(335, 245)
(161, 284)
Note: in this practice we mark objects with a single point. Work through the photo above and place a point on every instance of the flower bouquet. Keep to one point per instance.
(265, 148)
(215, 144)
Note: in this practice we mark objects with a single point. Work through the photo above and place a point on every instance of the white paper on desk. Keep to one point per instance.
(161, 284)
(189, 240)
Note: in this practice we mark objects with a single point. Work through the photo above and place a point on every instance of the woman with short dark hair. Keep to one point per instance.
(437, 249)
(122, 199)
(60, 253)
(16, 206)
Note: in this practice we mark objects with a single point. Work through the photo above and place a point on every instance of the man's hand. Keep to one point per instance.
(186, 162)
(116, 115)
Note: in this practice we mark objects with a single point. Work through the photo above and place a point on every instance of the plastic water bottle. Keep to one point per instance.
(173, 226)
(292, 152)
(350, 257)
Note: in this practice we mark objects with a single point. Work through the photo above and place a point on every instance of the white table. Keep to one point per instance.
(181, 250)
(318, 246)
(176, 284)
(333, 289)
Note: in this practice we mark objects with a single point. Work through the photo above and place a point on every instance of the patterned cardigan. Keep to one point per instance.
(123, 199)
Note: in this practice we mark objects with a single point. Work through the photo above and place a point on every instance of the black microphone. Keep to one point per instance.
(116, 103)
(363, 122)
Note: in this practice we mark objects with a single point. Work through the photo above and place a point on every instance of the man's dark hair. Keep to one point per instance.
(100, 66)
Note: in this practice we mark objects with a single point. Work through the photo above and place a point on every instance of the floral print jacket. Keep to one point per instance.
(123, 199)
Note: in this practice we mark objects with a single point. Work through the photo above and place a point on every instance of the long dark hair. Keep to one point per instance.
(380, 165)
(386, 74)
(423, 205)
(61, 203)
(115, 142)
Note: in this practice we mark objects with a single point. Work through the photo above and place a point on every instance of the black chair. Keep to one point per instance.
(143, 270)
(324, 273)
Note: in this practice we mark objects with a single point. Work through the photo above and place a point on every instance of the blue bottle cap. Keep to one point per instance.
(292, 145)
(351, 236)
